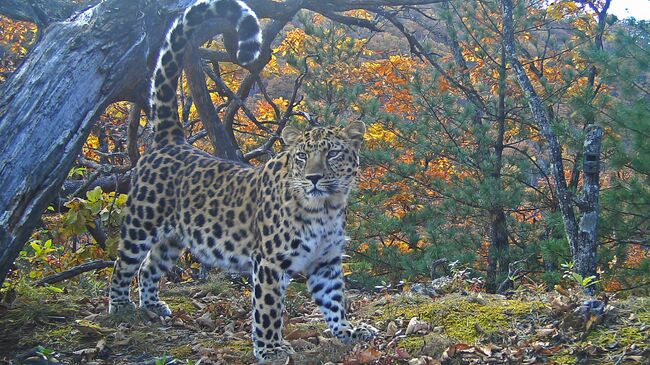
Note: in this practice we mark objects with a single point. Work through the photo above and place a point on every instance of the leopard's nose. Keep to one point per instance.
(314, 178)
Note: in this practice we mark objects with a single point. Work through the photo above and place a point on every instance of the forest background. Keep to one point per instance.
(469, 160)
(442, 179)
(455, 165)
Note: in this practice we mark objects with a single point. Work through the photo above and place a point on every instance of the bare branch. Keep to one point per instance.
(214, 56)
(106, 169)
(224, 146)
(282, 117)
(80, 269)
(214, 74)
(40, 12)
(132, 132)
(348, 20)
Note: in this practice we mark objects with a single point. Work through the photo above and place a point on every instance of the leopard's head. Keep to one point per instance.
(324, 160)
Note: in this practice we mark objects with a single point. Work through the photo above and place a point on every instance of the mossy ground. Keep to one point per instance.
(628, 328)
(464, 318)
(73, 320)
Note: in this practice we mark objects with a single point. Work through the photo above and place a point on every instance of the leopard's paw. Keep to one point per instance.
(120, 306)
(278, 352)
(363, 332)
(159, 307)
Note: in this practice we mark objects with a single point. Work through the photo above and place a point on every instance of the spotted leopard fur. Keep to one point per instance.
(284, 217)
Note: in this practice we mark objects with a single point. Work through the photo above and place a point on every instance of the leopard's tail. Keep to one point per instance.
(164, 104)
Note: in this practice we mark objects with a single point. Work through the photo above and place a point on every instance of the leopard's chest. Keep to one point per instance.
(317, 239)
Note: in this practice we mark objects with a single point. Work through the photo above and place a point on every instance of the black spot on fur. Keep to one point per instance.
(196, 14)
(165, 93)
(247, 28)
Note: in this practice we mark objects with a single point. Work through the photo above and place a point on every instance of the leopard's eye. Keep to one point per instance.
(333, 153)
(301, 156)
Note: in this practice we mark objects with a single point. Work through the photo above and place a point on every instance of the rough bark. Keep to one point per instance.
(584, 256)
(132, 133)
(542, 119)
(585, 259)
(499, 252)
(40, 12)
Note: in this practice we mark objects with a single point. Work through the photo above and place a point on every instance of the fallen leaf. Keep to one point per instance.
(416, 325)
(363, 356)
(301, 345)
(304, 333)
(90, 328)
(546, 332)
(424, 360)
(452, 350)
(636, 358)
(391, 329)
(402, 353)
(206, 321)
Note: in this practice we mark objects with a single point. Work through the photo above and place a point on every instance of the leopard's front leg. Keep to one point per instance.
(325, 283)
(269, 285)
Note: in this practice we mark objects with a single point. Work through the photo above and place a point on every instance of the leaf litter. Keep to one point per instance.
(212, 326)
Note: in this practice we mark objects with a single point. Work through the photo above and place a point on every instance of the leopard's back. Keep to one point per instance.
(201, 202)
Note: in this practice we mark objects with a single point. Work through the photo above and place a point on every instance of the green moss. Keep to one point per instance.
(617, 336)
(240, 345)
(59, 334)
(412, 343)
(242, 350)
(463, 318)
(217, 286)
(180, 303)
(564, 358)
(432, 344)
(319, 327)
(642, 310)
(624, 336)
(183, 351)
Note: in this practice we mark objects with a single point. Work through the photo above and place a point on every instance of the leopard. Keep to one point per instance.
(283, 217)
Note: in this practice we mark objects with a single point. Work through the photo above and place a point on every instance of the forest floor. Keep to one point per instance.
(211, 323)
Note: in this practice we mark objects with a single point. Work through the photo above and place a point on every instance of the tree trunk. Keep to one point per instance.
(582, 238)
(584, 254)
(224, 146)
(48, 106)
(498, 254)
(542, 119)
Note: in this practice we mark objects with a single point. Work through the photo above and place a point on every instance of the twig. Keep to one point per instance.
(514, 273)
(434, 265)
(110, 169)
(80, 269)
(282, 117)
(214, 74)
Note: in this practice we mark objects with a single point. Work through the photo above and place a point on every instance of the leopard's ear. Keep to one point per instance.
(291, 135)
(354, 132)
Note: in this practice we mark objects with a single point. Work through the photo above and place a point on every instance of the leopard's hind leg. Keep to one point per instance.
(133, 247)
(159, 260)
